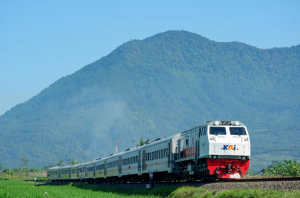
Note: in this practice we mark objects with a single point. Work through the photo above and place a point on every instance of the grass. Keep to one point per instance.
(13, 188)
(237, 193)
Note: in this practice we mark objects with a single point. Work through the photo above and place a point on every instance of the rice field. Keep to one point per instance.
(12, 188)
(16, 189)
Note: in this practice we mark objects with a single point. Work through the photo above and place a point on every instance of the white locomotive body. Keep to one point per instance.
(217, 149)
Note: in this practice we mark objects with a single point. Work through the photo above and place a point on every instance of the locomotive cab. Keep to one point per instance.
(229, 149)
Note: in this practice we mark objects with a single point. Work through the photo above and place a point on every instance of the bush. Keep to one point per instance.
(285, 168)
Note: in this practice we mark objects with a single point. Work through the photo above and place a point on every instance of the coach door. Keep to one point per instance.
(144, 165)
(178, 150)
(169, 153)
(105, 169)
(94, 171)
(139, 163)
(120, 166)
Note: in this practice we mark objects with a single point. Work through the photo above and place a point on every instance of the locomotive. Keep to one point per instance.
(214, 150)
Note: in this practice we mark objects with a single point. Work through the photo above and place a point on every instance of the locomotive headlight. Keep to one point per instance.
(243, 158)
(217, 123)
(214, 157)
(236, 123)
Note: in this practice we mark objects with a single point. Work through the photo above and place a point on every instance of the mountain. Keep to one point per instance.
(157, 87)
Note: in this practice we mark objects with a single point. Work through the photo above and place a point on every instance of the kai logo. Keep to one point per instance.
(229, 147)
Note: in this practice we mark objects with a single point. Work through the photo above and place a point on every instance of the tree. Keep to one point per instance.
(35, 170)
(74, 162)
(8, 171)
(25, 164)
(17, 169)
(142, 142)
(60, 162)
(0, 168)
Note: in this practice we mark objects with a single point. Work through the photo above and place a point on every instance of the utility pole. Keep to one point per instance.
(116, 146)
(27, 170)
(69, 161)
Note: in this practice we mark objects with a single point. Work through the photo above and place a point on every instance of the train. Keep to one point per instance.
(214, 150)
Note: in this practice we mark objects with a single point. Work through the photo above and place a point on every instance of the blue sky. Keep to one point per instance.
(42, 41)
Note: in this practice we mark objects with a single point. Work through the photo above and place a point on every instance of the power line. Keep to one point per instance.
(289, 149)
(256, 131)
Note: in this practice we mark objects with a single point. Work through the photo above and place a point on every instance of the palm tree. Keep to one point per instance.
(142, 142)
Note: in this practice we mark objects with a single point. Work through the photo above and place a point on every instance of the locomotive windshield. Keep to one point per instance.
(217, 131)
(237, 131)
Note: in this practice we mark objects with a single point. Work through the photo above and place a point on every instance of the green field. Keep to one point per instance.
(12, 188)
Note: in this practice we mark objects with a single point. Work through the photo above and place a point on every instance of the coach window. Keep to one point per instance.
(187, 142)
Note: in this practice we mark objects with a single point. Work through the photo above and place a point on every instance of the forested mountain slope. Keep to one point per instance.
(157, 87)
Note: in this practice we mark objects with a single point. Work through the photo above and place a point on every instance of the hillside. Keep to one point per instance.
(156, 87)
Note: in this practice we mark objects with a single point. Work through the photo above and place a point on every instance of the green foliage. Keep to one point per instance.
(142, 142)
(74, 162)
(17, 169)
(35, 170)
(8, 172)
(60, 163)
(285, 168)
(24, 162)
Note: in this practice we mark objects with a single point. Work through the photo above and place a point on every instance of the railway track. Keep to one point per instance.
(268, 179)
